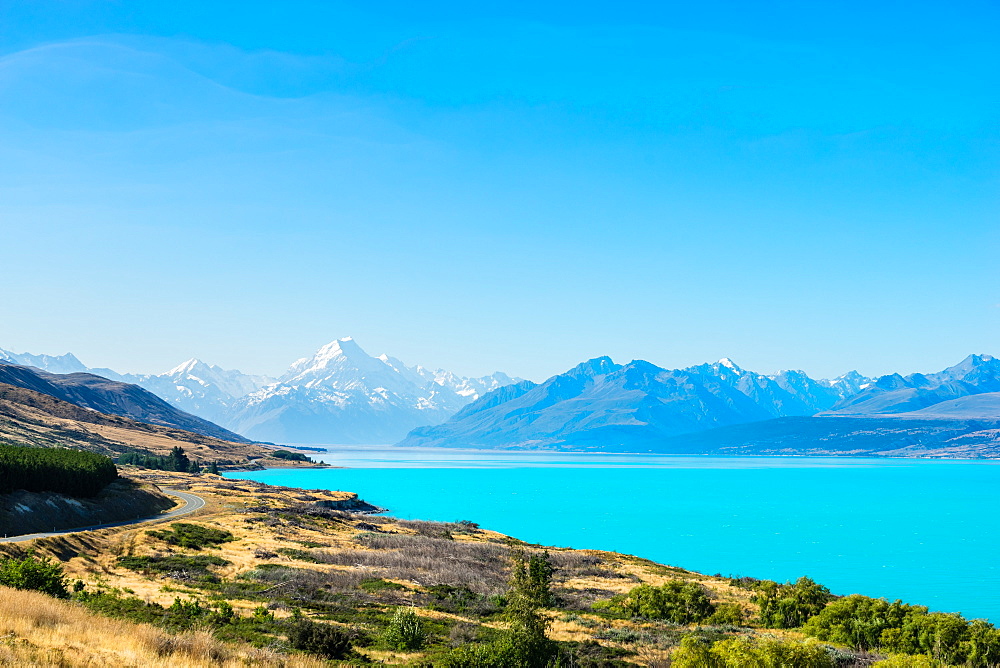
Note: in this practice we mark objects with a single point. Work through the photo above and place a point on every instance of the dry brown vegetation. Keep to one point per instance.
(296, 549)
(32, 418)
(37, 630)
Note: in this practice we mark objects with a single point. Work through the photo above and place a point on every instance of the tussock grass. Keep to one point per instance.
(427, 561)
(37, 630)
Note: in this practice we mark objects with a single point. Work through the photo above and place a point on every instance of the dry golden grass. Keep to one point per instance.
(36, 630)
(235, 506)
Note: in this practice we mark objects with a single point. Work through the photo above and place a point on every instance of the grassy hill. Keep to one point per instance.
(29, 417)
(285, 571)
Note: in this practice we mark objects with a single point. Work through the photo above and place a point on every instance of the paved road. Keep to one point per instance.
(192, 502)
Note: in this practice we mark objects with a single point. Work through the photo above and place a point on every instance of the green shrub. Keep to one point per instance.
(34, 574)
(875, 624)
(174, 564)
(745, 651)
(789, 606)
(727, 613)
(193, 536)
(675, 601)
(322, 639)
(404, 631)
(373, 585)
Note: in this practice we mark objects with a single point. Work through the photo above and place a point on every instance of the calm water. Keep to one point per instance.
(925, 531)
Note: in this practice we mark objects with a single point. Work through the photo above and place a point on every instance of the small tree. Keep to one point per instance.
(213, 468)
(34, 574)
(178, 460)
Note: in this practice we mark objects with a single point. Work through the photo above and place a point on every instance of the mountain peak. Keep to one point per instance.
(185, 367)
(594, 367)
(345, 346)
(728, 363)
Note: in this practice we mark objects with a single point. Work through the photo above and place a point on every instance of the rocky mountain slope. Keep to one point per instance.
(338, 395)
(343, 395)
(640, 407)
(111, 397)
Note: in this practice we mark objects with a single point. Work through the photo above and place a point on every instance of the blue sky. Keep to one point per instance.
(502, 186)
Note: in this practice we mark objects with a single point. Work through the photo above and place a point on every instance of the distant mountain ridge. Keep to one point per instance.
(340, 394)
(343, 395)
(110, 397)
(642, 407)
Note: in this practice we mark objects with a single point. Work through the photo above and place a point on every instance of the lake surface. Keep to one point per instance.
(924, 531)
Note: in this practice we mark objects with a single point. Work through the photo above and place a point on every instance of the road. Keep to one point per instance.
(192, 502)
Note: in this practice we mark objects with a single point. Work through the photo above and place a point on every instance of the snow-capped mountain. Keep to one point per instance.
(603, 405)
(201, 389)
(67, 363)
(898, 395)
(338, 395)
(343, 395)
(205, 390)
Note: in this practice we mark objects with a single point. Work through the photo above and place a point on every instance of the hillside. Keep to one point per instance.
(260, 564)
(29, 512)
(112, 398)
(340, 394)
(28, 417)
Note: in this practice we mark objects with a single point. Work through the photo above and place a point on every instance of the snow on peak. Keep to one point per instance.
(729, 364)
(185, 367)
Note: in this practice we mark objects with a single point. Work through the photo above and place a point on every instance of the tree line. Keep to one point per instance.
(70, 472)
(177, 460)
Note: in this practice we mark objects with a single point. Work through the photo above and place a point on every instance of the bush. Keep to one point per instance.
(871, 623)
(175, 565)
(322, 639)
(675, 601)
(193, 536)
(34, 574)
(743, 651)
(71, 472)
(404, 631)
(789, 606)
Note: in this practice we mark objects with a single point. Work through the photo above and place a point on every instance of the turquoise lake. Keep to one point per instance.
(924, 531)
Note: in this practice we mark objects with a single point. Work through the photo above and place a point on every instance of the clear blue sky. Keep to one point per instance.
(502, 186)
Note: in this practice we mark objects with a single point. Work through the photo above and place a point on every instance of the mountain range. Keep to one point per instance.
(640, 407)
(340, 394)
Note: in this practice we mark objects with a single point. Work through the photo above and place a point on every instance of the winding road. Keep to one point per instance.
(192, 502)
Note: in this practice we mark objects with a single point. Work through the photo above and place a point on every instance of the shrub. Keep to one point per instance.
(789, 606)
(404, 631)
(322, 639)
(870, 623)
(675, 601)
(193, 536)
(35, 575)
(727, 613)
(743, 651)
(176, 565)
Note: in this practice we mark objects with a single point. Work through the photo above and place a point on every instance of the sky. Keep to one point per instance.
(512, 186)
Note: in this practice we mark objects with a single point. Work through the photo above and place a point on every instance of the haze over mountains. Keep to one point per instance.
(641, 407)
(339, 395)
(342, 395)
